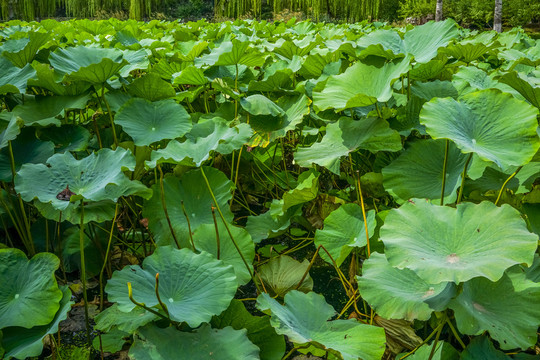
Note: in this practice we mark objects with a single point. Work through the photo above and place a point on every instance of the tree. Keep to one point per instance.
(438, 11)
(497, 18)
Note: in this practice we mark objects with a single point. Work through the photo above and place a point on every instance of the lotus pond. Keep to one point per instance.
(255, 190)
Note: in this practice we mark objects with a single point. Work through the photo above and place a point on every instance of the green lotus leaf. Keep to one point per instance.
(491, 124)
(272, 223)
(91, 64)
(12, 78)
(360, 85)
(46, 78)
(427, 71)
(44, 110)
(277, 76)
(153, 343)
(110, 342)
(306, 190)
(189, 50)
(97, 211)
(191, 75)
(345, 136)
(23, 343)
(469, 79)
(260, 105)
(96, 177)
(191, 189)
(492, 179)
(443, 351)
(66, 137)
(10, 129)
(300, 47)
(445, 244)
(418, 171)
(194, 287)
(24, 55)
(151, 87)
(204, 137)
(26, 150)
(259, 330)
(304, 319)
(511, 319)
(526, 86)
(204, 239)
(295, 107)
(343, 230)
(466, 52)
(232, 52)
(29, 295)
(398, 294)
(282, 274)
(480, 348)
(127, 322)
(137, 60)
(148, 122)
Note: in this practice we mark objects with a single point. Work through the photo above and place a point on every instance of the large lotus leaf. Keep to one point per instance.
(272, 223)
(96, 177)
(29, 295)
(194, 287)
(445, 244)
(12, 78)
(418, 171)
(91, 64)
(260, 105)
(148, 122)
(153, 343)
(470, 78)
(524, 85)
(360, 85)
(398, 294)
(443, 351)
(151, 87)
(26, 53)
(47, 79)
(232, 53)
(506, 309)
(480, 348)
(343, 230)
(10, 129)
(259, 330)
(204, 137)
(304, 319)
(345, 136)
(491, 124)
(306, 190)
(191, 75)
(277, 76)
(204, 239)
(22, 343)
(191, 189)
(98, 211)
(124, 321)
(137, 60)
(66, 137)
(283, 274)
(44, 110)
(466, 52)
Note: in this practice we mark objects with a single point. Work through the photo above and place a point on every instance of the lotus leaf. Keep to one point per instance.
(445, 244)
(283, 274)
(148, 122)
(194, 287)
(29, 295)
(480, 348)
(304, 319)
(127, 322)
(96, 177)
(398, 294)
(153, 343)
(491, 124)
(152, 88)
(10, 129)
(12, 78)
(232, 53)
(259, 330)
(22, 343)
(343, 230)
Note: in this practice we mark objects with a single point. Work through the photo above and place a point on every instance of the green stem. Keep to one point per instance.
(110, 115)
(188, 225)
(463, 175)
(163, 306)
(227, 228)
(130, 295)
(218, 244)
(444, 170)
(106, 259)
(453, 329)
(83, 274)
(378, 110)
(434, 346)
(505, 183)
(164, 205)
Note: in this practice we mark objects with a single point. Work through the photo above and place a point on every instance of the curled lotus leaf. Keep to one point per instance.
(193, 287)
(96, 177)
(441, 243)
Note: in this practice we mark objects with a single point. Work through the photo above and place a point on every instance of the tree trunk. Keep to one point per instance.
(497, 18)
(438, 11)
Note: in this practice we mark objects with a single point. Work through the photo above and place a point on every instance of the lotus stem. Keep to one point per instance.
(434, 346)
(308, 268)
(106, 259)
(218, 245)
(453, 329)
(237, 168)
(130, 295)
(110, 115)
(446, 148)
(463, 175)
(163, 306)
(505, 183)
(83, 274)
(164, 206)
(363, 212)
(227, 228)
(188, 225)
